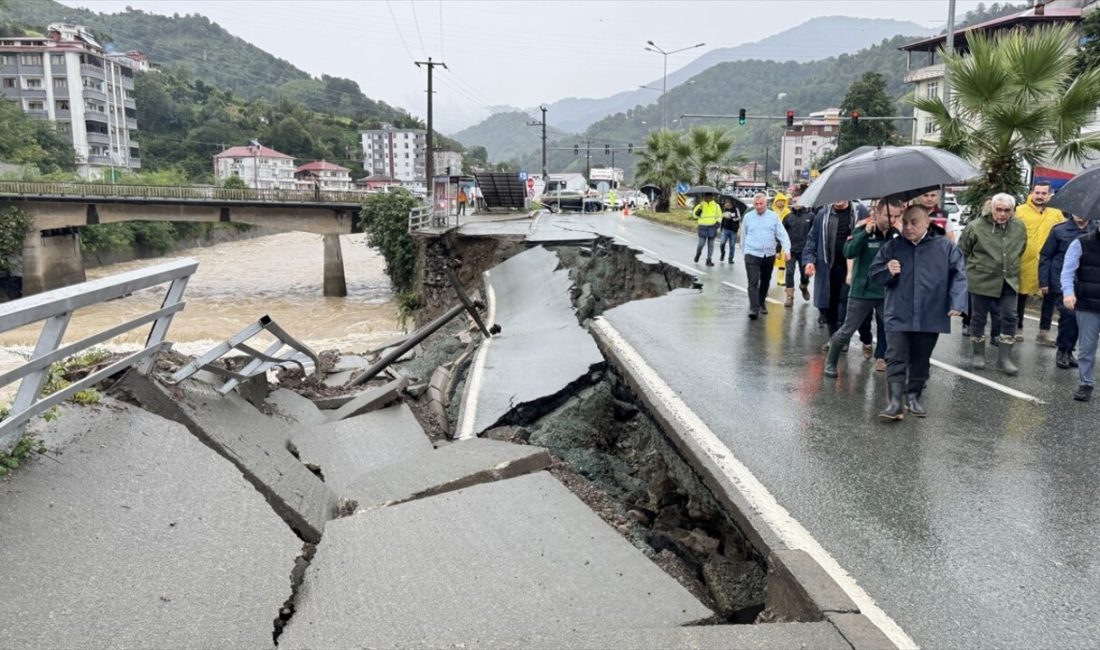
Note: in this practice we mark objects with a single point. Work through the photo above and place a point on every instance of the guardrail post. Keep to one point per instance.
(160, 327)
(53, 330)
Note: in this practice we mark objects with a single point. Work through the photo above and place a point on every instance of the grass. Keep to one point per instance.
(679, 218)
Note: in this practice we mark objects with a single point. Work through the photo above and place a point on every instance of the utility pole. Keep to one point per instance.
(766, 165)
(428, 162)
(587, 160)
(949, 48)
(542, 123)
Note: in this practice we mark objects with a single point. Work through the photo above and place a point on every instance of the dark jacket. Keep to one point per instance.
(731, 219)
(993, 254)
(820, 244)
(862, 249)
(1053, 253)
(932, 282)
(798, 224)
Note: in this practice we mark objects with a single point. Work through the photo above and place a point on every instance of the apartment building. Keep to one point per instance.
(395, 153)
(806, 140)
(66, 77)
(260, 167)
(324, 176)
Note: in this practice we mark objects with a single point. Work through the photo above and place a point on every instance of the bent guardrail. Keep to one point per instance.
(26, 189)
(55, 309)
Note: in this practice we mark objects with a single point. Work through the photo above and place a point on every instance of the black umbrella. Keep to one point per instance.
(905, 172)
(1080, 195)
(858, 151)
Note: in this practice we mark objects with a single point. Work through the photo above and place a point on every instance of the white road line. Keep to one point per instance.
(760, 499)
(683, 267)
(465, 430)
(740, 288)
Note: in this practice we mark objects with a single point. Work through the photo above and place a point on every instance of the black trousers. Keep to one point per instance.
(796, 261)
(759, 270)
(838, 296)
(909, 358)
(1003, 305)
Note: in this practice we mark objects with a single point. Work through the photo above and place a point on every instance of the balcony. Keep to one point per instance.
(95, 115)
(131, 123)
(98, 138)
(93, 71)
(99, 160)
(92, 93)
(33, 93)
(62, 114)
(38, 114)
(928, 72)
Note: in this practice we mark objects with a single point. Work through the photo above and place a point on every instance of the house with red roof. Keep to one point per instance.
(258, 166)
(325, 176)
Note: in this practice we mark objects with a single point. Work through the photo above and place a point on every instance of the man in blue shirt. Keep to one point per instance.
(761, 229)
(1081, 293)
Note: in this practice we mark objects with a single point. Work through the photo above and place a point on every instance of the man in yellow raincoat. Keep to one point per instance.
(1039, 219)
(781, 205)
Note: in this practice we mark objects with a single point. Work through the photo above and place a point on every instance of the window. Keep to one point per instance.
(930, 127)
(33, 82)
(57, 59)
(7, 59)
(798, 162)
(60, 84)
(828, 129)
(932, 89)
(798, 150)
(36, 105)
(813, 142)
(9, 82)
(406, 155)
(30, 59)
(62, 104)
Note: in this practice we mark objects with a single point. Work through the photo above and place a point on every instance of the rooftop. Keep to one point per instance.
(321, 166)
(252, 152)
(1028, 17)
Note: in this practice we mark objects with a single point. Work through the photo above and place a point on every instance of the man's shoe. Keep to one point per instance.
(912, 402)
(966, 331)
(789, 302)
(1071, 360)
(1083, 394)
(764, 309)
(868, 351)
(721, 256)
(1061, 361)
(1044, 339)
(754, 314)
(895, 410)
(880, 365)
(1019, 338)
(977, 349)
(1004, 358)
(805, 291)
(831, 361)
(709, 263)
(697, 258)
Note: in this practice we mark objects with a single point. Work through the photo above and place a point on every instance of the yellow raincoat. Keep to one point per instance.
(1038, 225)
(781, 205)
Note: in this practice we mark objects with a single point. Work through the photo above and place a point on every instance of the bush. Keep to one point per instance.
(385, 219)
(14, 224)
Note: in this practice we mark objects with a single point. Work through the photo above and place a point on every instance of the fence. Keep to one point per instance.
(424, 217)
(24, 189)
(56, 309)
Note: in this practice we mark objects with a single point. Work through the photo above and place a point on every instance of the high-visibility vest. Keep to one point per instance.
(708, 213)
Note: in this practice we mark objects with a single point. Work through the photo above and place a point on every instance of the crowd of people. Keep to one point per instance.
(896, 275)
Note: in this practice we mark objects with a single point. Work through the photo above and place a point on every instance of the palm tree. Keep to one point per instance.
(1015, 99)
(662, 163)
(706, 150)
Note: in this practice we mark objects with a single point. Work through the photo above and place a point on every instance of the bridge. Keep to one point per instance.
(51, 252)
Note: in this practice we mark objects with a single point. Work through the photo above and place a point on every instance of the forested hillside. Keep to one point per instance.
(507, 135)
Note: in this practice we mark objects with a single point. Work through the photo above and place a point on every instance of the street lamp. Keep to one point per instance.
(653, 47)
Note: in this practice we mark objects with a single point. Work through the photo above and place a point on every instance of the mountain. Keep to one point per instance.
(213, 56)
(506, 135)
(815, 39)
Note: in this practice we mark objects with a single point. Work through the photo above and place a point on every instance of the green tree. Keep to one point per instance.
(705, 151)
(27, 141)
(385, 218)
(234, 182)
(1015, 99)
(868, 96)
(476, 158)
(14, 224)
(663, 163)
(1088, 57)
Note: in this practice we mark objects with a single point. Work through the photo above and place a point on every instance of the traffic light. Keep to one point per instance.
(741, 117)
(607, 150)
(855, 117)
(576, 150)
(630, 148)
(790, 119)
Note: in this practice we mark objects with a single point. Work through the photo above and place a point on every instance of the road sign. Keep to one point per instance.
(530, 183)
(522, 176)
(681, 200)
(682, 187)
(530, 192)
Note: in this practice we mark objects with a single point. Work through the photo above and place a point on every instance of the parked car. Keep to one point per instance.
(636, 200)
(571, 200)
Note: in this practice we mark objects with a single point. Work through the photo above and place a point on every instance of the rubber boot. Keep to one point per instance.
(831, 360)
(977, 346)
(912, 402)
(1004, 357)
(895, 410)
(790, 297)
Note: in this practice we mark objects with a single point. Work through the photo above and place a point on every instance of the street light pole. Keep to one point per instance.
(653, 47)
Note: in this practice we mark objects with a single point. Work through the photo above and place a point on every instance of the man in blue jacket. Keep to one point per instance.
(823, 258)
(1051, 258)
(925, 279)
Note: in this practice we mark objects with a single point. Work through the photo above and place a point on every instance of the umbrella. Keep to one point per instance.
(1080, 195)
(702, 189)
(858, 151)
(887, 171)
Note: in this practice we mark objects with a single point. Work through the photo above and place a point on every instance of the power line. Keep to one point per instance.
(398, 28)
(442, 52)
(416, 20)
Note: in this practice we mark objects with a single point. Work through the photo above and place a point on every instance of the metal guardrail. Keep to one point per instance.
(419, 218)
(56, 309)
(25, 189)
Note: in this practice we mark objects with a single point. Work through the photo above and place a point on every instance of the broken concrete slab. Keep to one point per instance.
(137, 535)
(525, 557)
(541, 350)
(456, 466)
(773, 636)
(350, 362)
(860, 632)
(253, 442)
(799, 589)
(345, 450)
(370, 400)
(294, 408)
(338, 379)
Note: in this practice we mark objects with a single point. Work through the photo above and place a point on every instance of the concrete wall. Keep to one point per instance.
(51, 261)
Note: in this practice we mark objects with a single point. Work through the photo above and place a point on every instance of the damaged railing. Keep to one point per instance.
(56, 309)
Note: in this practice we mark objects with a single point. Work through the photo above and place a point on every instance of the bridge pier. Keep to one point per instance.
(336, 285)
(51, 260)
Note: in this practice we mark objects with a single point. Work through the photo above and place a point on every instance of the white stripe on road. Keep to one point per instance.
(1007, 390)
(683, 267)
(760, 500)
(466, 429)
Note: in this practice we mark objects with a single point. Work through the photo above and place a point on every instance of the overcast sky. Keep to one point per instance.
(507, 52)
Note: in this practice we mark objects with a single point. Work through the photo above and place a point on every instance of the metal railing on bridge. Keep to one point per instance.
(26, 189)
(56, 309)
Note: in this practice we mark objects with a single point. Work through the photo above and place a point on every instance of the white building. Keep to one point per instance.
(395, 153)
(443, 161)
(258, 166)
(324, 176)
(66, 77)
(805, 141)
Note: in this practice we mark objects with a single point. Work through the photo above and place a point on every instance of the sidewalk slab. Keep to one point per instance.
(345, 450)
(369, 400)
(138, 535)
(253, 442)
(453, 467)
(522, 557)
(295, 408)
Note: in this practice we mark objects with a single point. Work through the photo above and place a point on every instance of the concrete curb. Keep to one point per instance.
(799, 588)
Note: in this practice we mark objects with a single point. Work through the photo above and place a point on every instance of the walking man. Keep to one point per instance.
(823, 256)
(925, 279)
(797, 224)
(1081, 293)
(939, 222)
(993, 246)
(1051, 259)
(461, 198)
(864, 296)
(761, 231)
(731, 223)
(707, 214)
(1038, 219)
